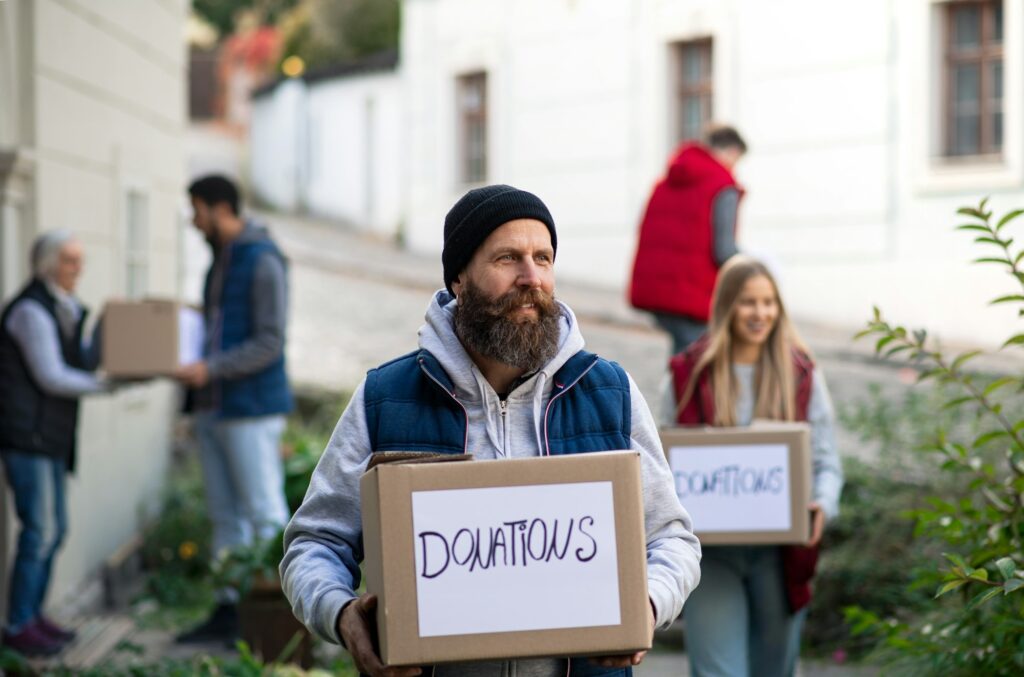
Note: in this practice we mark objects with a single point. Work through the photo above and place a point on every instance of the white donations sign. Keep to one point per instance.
(734, 488)
(506, 559)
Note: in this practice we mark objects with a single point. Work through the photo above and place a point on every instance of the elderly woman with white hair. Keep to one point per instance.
(44, 369)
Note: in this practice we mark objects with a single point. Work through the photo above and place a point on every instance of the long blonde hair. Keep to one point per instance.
(774, 381)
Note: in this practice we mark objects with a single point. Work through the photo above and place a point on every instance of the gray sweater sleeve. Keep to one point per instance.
(673, 552)
(269, 316)
(324, 540)
(724, 209)
(825, 464)
(35, 332)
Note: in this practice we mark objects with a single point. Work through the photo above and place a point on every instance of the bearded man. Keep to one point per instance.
(500, 373)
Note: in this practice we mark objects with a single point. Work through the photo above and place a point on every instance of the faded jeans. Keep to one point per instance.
(38, 485)
(737, 620)
(244, 477)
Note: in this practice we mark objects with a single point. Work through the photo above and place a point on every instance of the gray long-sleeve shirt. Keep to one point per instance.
(36, 333)
(724, 209)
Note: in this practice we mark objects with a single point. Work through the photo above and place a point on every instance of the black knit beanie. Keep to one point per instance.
(477, 215)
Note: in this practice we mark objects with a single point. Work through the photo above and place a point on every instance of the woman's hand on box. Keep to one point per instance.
(817, 524)
(355, 626)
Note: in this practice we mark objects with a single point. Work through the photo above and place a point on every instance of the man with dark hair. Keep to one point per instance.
(500, 373)
(240, 388)
(688, 232)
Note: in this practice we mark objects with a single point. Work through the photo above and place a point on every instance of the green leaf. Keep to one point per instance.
(882, 342)
(979, 575)
(989, 259)
(1009, 217)
(971, 211)
(931, 373)
(962, 358)
(864, 332)
(988, 240)
(999, 383)
(1014, 340)
(983, 597)
(951, 586)
(971, 226)
(893, 351)
(1006, 567)
(1010, 586)
(958, 401)
(956, 559)
(1006, 299)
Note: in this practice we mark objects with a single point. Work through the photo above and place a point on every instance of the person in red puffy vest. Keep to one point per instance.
(746, 615)
(688, 232)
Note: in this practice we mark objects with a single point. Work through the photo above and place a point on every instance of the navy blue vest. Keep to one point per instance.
(265, 392)
(411, 406)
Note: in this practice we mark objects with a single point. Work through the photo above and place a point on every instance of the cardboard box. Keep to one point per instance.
(150, 338)
(507, 559)
(743, 486)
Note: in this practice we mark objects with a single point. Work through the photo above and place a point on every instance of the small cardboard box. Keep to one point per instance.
(743, 486)
(150, 338)
(507, 559)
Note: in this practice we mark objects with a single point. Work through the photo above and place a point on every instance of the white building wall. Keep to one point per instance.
(837, 101)
(357, 165)
(277, 136)
(106, 116)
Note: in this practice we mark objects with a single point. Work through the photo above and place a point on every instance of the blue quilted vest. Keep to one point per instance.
(265, 392)
(411, 406)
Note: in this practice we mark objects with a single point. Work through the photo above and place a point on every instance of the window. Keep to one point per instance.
(472, 112)
(136, 245)
(974, 78)
(693, 88)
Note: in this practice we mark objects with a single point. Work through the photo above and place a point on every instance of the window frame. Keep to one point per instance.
(136, 243)
(472, 169)
(985, 54)
(683, 91)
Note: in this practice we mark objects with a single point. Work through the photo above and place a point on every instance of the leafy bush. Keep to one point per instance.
(976, 626)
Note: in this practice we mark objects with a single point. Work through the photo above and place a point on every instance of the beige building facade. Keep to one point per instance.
(92, 130)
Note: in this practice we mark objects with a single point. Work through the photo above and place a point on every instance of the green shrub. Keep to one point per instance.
(976, 624)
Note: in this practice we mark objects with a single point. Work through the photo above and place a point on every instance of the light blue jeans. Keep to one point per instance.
(38, 485)
(244, 477)
(737, 621)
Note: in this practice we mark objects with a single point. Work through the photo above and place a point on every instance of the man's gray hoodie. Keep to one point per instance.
(323, 539)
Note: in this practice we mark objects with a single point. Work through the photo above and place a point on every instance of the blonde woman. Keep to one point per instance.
(745, 616)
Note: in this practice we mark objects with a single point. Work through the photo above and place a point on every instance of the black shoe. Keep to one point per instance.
(221, 626)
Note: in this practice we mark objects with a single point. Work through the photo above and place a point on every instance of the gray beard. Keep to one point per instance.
(484, 326)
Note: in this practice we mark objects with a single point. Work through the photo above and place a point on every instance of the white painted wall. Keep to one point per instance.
(837, 101)
(356, 151)
(277, 136)
(102, 113)
(335, 148)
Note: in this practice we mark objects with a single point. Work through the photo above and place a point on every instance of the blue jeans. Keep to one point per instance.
(737, 621)
(244, 477)
(38, 485)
